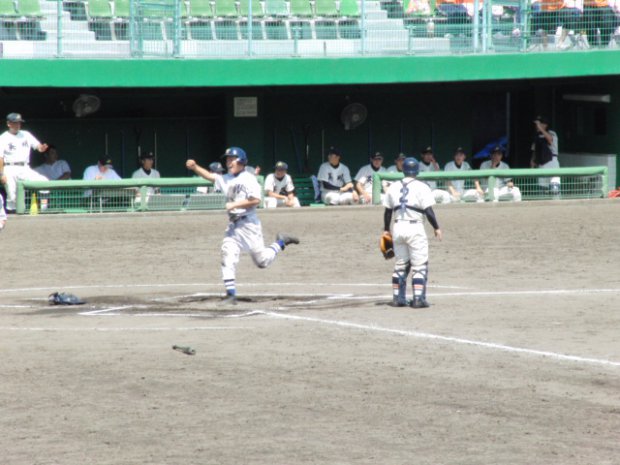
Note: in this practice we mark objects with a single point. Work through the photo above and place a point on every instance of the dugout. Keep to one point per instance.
(294, 112)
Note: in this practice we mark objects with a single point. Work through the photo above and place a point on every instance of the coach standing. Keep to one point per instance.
(15, 146)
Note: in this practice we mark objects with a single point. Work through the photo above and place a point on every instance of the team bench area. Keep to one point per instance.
(179, 194)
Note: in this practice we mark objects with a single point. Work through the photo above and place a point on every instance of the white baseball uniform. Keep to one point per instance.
(282, 186)
(459, 184)
(93, 172)
(501, 189)
(15, 149)
(244, 232)
(54, 170)
(337, 176)
(365, 177)
(441, 196)
(408, 198)
(141, 174)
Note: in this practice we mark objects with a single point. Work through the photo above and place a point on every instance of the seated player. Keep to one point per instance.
(279, 188)
(336, 183)
(504, 188)
(365, 176)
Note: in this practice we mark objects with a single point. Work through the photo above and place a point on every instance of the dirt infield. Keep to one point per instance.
(517, 360)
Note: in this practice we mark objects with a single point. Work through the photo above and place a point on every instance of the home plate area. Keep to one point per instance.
(212, 305)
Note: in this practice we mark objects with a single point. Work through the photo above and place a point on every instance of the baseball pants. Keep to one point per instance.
(544, 182)
(337, 198)
(245, 235)
(272, 202)
(13, 174)
(410, 243)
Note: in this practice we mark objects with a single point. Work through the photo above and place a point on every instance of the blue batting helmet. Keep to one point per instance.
(411, 167)
(238, 153)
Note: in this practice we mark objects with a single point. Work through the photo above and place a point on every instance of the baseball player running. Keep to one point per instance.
(244, 232)
(15, 146)
(409, 201)
(279, 188)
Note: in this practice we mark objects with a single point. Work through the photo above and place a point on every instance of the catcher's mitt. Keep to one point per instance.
(386, 245)
(63, 298)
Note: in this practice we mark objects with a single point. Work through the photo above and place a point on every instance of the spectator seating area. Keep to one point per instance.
(223, 19)
(212, 28)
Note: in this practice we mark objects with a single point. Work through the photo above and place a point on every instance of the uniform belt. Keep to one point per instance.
(21, 163)
(406, 221)
(239, 219)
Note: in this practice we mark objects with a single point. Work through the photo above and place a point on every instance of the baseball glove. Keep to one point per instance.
(386, 245)
(63, 298)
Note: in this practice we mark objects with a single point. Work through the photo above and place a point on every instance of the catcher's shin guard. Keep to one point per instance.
(399, 285)
(418, 281)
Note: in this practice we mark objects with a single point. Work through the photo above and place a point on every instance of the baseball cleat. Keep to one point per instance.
(229, 300)
(399, 303)
(286, 239)
(419, 303)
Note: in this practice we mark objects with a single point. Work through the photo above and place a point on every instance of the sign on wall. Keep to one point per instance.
(246, 107)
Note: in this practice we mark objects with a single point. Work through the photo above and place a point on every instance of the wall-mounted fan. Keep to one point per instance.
(353, 115)
(85, 105)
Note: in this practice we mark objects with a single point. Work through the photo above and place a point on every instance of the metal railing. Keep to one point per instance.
(532, 184)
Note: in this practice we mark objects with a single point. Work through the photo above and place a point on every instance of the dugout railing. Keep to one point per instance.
(575, 183)
(126, 195)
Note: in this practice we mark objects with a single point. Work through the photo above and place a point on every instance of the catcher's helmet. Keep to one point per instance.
(411, 167)
(238, 153)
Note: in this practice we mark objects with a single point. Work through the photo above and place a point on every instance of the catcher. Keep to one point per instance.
(409, 201)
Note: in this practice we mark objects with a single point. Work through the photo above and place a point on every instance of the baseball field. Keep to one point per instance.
(517, 361)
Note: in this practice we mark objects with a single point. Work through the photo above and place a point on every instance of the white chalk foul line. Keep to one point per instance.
(218, 285)
(454, 340)
(115, 330)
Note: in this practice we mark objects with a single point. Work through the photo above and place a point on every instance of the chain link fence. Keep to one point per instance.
(272, 28)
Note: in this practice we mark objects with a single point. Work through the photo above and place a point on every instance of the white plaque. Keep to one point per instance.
(246, 107)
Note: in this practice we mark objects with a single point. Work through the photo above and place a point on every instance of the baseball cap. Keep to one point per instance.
(146, 155)
(428, 149)
(401, 156)
(105, 161)
(542, 119)
(459, 150)
(376, 156)
(216, 167)
(281, 166)
(335, 151)
(497, 148)
(14, 118)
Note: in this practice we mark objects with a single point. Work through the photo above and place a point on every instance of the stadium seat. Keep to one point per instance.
(28, 26)
(29, 9)
(7, 9)
(276, 9)
(200, 16)
(275, 26)
(325, 24)
(200, 9)
(257, 13)
(257, 9)
(99, 15)
(226, 9)
(301, 9)
(8, 14)
(77, 9)
(301, 28)
(348, 25)
(349, 9)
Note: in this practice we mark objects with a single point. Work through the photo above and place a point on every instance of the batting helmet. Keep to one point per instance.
(238, 153)
(411, 167)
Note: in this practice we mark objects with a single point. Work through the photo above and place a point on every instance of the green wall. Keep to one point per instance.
(305, 71)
